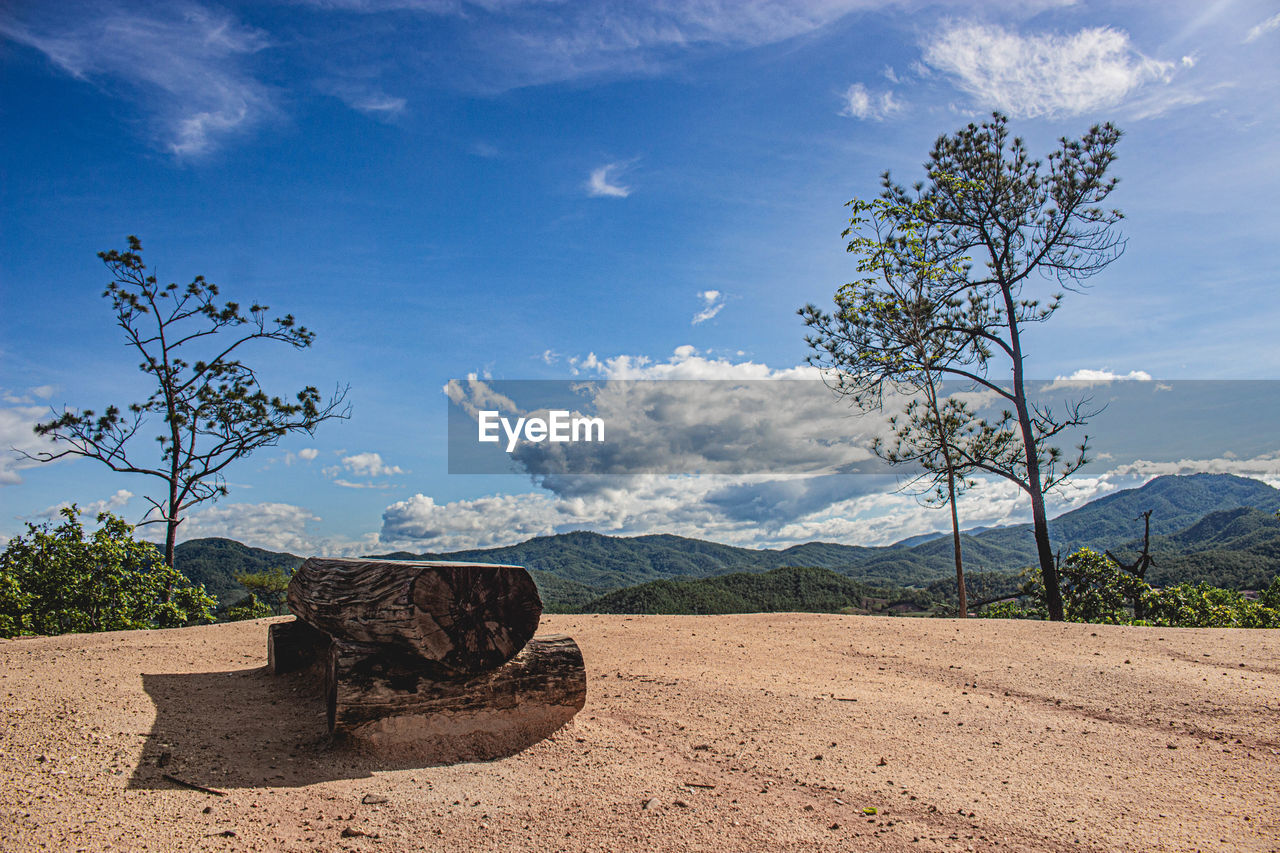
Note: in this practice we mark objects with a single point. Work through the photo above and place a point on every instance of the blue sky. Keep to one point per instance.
(547, 190)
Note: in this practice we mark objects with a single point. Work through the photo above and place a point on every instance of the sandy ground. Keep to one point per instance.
(764, 732)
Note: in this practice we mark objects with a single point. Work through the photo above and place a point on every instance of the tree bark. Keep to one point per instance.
(387, 699)
(459, 618)
(963, 603)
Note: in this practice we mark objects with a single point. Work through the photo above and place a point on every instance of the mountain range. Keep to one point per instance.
(1214, 527)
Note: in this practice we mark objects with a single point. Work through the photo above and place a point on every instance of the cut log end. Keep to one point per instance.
(466, 617)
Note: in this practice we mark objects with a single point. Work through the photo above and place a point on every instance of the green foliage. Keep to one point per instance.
(788, 589)
(1202, 606)
(248, 607)
(1096, 590)
(54, 581)
(216, 562)
(267, 588)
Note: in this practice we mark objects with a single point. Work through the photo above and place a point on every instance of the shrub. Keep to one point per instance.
(54, 581)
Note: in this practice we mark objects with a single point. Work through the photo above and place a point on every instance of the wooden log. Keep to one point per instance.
(460, 618)
(385, 702)
(295, 645)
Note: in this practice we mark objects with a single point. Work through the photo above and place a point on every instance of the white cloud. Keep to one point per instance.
(31, 395)
(184, 62)
(274, 526)
(531, 42)
(17, 436)
(365, 98)
(1085, 377)
(712, 303)
(307, 454)
(599, 184)
(861, 103)
(1269, 25)
(112, 504)
(1043, 75)
(348, 484)
(370, 465)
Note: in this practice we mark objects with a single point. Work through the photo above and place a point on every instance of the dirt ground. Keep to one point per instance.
(764, 732)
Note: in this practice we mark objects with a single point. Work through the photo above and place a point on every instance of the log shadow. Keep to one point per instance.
(250, 728)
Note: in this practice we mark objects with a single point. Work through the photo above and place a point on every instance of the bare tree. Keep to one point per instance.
(1138, 568)
(211, 410)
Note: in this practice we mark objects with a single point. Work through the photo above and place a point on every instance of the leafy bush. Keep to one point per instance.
(54, 581)
(1202, 606)
(1094, 589)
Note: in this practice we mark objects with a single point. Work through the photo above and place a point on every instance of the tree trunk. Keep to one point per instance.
(388, 700)
(295, 645)
(460, 618)
(963, 608)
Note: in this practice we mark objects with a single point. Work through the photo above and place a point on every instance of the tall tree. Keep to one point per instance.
(1022, 218)
(211, 409)
(887, 334)
(987, 199)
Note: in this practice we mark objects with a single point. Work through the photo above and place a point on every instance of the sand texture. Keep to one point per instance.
(773, 732)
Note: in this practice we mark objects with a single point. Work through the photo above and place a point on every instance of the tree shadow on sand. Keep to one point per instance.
(249, 728)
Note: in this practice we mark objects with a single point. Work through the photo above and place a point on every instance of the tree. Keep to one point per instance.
(54, 581)
(987, 198)
(211, 409)
(886, 334)
(1138, 568)
(267, 592)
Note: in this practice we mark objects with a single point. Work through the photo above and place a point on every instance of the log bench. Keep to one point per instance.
(438, 658)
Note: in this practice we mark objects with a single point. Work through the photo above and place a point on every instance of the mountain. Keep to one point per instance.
(804, 590)
(612, 562)
(1234, 548)
(215, 563)
(1192, 537)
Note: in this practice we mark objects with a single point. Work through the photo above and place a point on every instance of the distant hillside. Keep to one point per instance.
(1234, 548)
(612, 562)
(571, 569)
(215, 563)
(808, 590)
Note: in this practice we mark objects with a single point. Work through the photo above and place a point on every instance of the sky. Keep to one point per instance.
(543, 190)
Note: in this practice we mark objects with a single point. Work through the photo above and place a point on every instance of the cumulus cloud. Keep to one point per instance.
(274, 526)
(1085, 376)
(712, 303)
(370, 465)
(861, 103)
(307, 454)
(763, 463)
(113, 504)
(1043, 75)
(1258, 31)
(184, 62)
(600, 185)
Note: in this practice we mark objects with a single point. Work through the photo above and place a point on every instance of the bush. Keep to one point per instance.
(54, 581)
(1202, 606)
(1094, 589)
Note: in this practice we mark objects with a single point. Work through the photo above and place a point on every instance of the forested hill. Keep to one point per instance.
(1190, 537)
